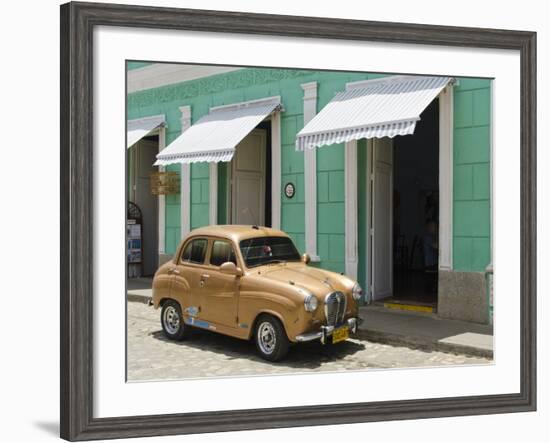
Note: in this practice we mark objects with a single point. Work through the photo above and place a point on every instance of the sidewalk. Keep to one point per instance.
(414, 329)
(425, 331)
(139, 289)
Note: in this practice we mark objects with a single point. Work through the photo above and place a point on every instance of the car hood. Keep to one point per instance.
(318, 281)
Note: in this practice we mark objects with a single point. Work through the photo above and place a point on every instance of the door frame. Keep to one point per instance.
(275, 119)
(160, 131)
(446, 169)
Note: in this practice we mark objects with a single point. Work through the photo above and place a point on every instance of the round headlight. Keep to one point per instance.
(310, 303)
(357, 292)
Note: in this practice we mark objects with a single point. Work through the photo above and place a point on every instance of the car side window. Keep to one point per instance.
(222, 251)
(195, 251)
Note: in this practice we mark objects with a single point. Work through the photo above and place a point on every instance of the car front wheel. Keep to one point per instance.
(172, 321)
(271, 340)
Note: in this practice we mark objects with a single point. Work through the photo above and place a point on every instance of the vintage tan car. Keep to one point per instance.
(250, 282)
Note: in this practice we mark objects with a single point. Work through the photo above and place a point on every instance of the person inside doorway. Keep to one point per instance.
(431, 254)
(429, 246)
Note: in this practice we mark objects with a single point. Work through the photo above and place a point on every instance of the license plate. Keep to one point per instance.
(340, 334)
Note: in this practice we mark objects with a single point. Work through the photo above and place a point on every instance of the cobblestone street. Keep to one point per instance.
(206, 354)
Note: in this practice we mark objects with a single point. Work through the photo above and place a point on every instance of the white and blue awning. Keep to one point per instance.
(377, 108)
(141, 127)
(215, 136)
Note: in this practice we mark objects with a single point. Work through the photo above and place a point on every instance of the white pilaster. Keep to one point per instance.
(350, 216)
(446, 179)
(213, 200)
(276, 170)
(310, 175)
(185, 182)
(162, 200)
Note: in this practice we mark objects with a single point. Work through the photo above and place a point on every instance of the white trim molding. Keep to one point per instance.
(274, 100)
(310, 175)
(185, 179)
(446, 179)
(213, 197)
(350, 219)
(162, 200)
(163, 74)
(369, 228)
(276, 170)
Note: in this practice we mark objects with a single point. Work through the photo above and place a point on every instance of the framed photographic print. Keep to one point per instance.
(292, 221)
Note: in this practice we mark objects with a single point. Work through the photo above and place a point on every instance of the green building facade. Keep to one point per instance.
(459, 124)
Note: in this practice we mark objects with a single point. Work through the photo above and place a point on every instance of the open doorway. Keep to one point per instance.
(416, 212)
(249, 179)
(143, 261)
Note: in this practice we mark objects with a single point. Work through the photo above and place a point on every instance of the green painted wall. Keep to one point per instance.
(471, 157)
(223, 172)
(330, 189)
(292, 164)
(200, 189)
(472, 153)
(173, 221)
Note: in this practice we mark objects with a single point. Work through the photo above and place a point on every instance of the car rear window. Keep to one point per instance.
(195, 251)
(263, 250)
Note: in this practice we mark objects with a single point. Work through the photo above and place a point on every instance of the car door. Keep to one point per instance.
(219, 292)
(186, 282)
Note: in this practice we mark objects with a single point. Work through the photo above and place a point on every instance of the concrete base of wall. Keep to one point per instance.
(463, 296)
(163, 258)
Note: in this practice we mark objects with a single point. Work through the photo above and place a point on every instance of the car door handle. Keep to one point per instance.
(173, 271)
(205, 276)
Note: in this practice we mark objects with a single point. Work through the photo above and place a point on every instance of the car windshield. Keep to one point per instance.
(263, 250)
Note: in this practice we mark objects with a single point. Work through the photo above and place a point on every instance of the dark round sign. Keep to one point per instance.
(290, 190)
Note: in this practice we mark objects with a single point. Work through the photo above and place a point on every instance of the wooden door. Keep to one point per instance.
(248, 180)
(382, 218)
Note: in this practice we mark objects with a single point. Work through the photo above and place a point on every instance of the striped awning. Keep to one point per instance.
(377, 108)
(215, 136)
(141, 127)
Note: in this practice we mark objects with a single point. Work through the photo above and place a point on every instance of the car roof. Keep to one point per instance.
(237, 232)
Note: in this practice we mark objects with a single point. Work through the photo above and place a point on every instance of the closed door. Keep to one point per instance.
(248, 180)
(382, 215)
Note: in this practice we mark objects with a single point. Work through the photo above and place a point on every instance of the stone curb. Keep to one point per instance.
(422, 343)
(138, 298)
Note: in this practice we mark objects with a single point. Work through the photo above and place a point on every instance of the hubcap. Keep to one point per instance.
(171, 320)
(266, 337)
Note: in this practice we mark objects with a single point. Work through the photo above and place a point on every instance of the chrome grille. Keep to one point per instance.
(335, 308)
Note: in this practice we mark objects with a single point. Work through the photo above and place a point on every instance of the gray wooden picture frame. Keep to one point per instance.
(77, 218)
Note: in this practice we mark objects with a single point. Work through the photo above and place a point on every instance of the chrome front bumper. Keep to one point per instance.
(326, 331)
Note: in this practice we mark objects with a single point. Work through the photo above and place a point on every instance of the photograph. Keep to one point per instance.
(296, 221)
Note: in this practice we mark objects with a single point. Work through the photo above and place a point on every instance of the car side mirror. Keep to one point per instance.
(306, 258)
(230, 268)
